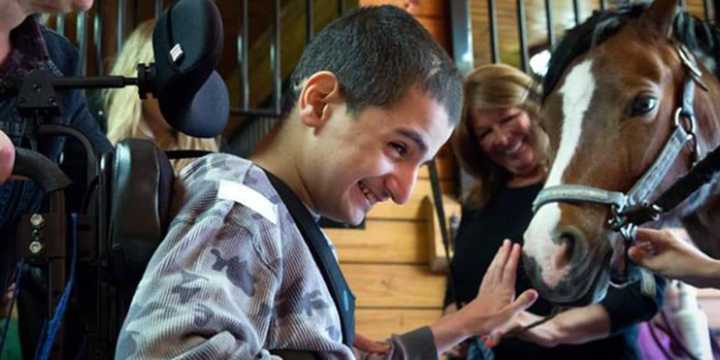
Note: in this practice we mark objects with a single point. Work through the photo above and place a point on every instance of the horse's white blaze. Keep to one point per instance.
(576, 95)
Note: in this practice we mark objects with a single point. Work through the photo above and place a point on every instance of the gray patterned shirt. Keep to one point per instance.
(234, 279)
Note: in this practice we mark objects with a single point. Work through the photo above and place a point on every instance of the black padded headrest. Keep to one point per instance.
(187, 43)
(140, 191)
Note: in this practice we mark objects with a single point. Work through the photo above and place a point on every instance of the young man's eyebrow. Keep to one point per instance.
(415, 137)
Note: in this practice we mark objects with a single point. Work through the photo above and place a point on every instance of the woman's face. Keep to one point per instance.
(505, 137)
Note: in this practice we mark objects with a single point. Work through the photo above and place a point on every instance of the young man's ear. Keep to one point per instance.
(320, 90)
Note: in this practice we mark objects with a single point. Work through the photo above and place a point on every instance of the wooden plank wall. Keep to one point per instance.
(386, 264)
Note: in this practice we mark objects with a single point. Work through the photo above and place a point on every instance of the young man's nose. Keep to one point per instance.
(401, 183)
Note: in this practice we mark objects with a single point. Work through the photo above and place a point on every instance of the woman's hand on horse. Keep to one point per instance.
(664, 252)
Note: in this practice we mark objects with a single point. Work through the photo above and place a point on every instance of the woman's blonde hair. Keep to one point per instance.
(493, 86)
(123, 107)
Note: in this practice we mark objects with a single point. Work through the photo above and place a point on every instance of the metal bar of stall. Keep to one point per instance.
(341, 7)
(708, 11)
(97, 38)
(576, 11)
(242, 46)
(158, 8)
(275, 58)
(495, 52)
(603, 5)
(121, 14)
(549, 24)
(462, 45)
(522, 35)
(308, 21)
(81, 39)
(60, 24)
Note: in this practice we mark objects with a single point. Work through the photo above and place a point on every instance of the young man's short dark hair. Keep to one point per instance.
(378, 53)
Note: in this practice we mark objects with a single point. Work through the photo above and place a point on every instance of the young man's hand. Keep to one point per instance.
(664, 252)
(7, 157)
(493, 308)
(370, 346)
(495, 303)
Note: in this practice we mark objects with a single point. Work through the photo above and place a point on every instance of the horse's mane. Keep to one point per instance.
(702, 38)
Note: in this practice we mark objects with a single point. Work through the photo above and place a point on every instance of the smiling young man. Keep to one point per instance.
(372, 98)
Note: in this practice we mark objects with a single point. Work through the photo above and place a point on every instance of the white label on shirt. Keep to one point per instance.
(246, 196)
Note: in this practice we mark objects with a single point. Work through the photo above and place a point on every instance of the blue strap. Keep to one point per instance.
(6, 325)
(54, 324)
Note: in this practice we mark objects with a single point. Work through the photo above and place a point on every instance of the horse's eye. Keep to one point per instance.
(642, 105)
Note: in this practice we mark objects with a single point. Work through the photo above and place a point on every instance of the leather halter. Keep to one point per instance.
(636, 202)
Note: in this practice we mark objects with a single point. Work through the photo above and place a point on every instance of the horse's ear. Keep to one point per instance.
(660, 15)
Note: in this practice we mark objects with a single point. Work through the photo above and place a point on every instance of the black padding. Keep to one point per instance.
(187, 43)
(140, 193)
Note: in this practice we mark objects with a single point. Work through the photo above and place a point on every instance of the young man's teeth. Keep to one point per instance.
(366, 192)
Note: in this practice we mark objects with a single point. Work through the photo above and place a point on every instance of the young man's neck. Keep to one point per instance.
(278, 154)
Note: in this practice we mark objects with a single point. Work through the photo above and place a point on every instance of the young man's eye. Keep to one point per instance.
(400, 149)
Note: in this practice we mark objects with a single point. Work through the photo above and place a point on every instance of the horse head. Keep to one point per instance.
(609, 112)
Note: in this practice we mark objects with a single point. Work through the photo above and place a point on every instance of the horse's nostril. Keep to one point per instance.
(569, 239)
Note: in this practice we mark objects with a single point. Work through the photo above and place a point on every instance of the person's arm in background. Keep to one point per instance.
(75, 105)
(664, 252)
(619, 309)
(7, 157)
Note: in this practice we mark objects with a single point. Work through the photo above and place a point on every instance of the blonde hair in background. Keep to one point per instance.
(493, 86)
(124, 108)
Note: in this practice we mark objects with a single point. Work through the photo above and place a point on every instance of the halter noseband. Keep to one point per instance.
(634, 207)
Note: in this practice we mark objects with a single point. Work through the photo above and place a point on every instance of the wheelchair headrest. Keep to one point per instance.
(140, 192)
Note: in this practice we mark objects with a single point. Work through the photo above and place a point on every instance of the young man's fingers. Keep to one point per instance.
(498, 263)
(524, 301)
(510, 271)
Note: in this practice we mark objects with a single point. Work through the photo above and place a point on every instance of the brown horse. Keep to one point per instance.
(613, 101)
